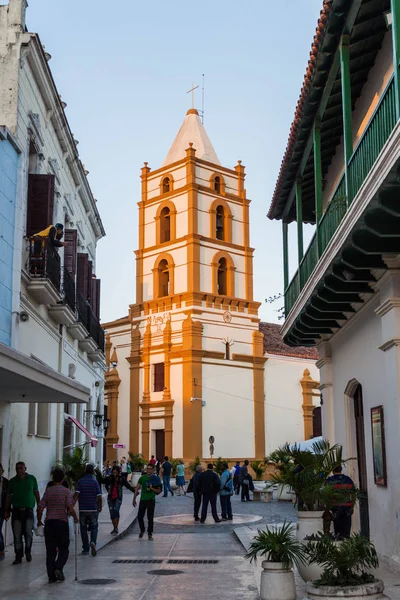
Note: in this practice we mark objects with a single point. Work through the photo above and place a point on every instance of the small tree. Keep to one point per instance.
(194, 464)
(74, 466)
(137, 461)
(174, 463)
(258, 467)
(219, 469)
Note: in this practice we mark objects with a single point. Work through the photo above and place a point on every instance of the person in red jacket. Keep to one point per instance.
(342, 511)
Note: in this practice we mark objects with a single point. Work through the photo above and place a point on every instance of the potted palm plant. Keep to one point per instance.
(346, 569)
(280, 549)
(258, 467)
(137, 463)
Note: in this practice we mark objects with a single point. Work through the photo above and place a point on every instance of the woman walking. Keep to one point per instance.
(180, 477)
(114, 484)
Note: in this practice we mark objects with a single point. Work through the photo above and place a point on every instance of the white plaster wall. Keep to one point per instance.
(356, 355)
(283, 400)
(124, 396)
(229, 410)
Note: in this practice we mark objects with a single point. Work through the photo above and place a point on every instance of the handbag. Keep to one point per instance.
(245, 482)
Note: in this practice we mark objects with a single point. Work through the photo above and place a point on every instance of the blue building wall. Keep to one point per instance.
(8, 182)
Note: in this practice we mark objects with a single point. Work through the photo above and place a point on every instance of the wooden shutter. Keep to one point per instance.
(158, 377)
(70, 236)
(82, 274)
(95, 297)
(89, 278)
(40, 203)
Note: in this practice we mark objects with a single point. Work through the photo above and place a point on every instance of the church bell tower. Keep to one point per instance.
(195, 355)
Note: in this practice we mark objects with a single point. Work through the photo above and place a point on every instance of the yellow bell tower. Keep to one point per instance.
(195, 364)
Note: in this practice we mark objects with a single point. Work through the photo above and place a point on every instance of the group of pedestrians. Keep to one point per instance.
(206, 485)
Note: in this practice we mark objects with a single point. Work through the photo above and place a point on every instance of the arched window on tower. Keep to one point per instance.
(166, 185)
(163, 279)
(221, 277)
(217, 184)
(165, 225)
(220, 223)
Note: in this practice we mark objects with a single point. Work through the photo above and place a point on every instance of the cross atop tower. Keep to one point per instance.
(192, 90)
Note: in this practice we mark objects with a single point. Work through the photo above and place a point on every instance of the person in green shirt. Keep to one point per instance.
(22, 495)
(150, 486)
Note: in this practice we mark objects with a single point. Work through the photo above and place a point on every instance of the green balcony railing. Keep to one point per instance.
(375, 136)
(331, 218)
(309, 261)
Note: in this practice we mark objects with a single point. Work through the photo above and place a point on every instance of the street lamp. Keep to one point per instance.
(98, 420)
(106, 423)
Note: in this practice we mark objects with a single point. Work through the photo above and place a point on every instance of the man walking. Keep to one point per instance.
(226, 491)
(3, 499)
(59, 504)
(166, 476)
(22, 495)
(150, 486)
(342, 511)
(90, 504)
(209, 488)
(196, 492)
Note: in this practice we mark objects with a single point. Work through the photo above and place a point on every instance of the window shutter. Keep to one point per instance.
(40, 203)
(70, 236)
(89, 278)
(95, 297)
(82, 274)
(158, 377)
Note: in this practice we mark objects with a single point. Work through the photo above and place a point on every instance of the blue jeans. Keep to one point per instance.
(1, 534)
(226, 507)
(88, 521)
(166, 485)
(114, 506)
(22, 527)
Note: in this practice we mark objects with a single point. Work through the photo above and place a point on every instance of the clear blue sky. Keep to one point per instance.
(124, 67)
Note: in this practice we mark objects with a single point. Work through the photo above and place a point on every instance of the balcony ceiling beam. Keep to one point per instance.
(340, 287)
(334, 297)
(324, 307)
(312, 315)
(369, 243)
(356, 259)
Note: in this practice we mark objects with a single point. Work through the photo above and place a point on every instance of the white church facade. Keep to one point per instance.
(190, 361)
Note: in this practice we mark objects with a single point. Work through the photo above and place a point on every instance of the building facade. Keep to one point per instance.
(52, 345)
(188, 362)
(340, 172)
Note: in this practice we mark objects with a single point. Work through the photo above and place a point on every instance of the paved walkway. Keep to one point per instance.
(164, 569)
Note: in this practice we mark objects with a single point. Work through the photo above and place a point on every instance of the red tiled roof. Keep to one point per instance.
(315, 47)
(274, 344)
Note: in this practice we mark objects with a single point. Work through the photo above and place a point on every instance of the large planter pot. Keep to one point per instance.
(285, 493)
(371, 591)
(309, 522)
(136, 475)
(277, 583)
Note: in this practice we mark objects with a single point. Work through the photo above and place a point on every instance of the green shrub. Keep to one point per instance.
(74, 466)
(137, 461)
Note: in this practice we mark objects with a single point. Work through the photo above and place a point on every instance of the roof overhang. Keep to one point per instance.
(23, 379)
